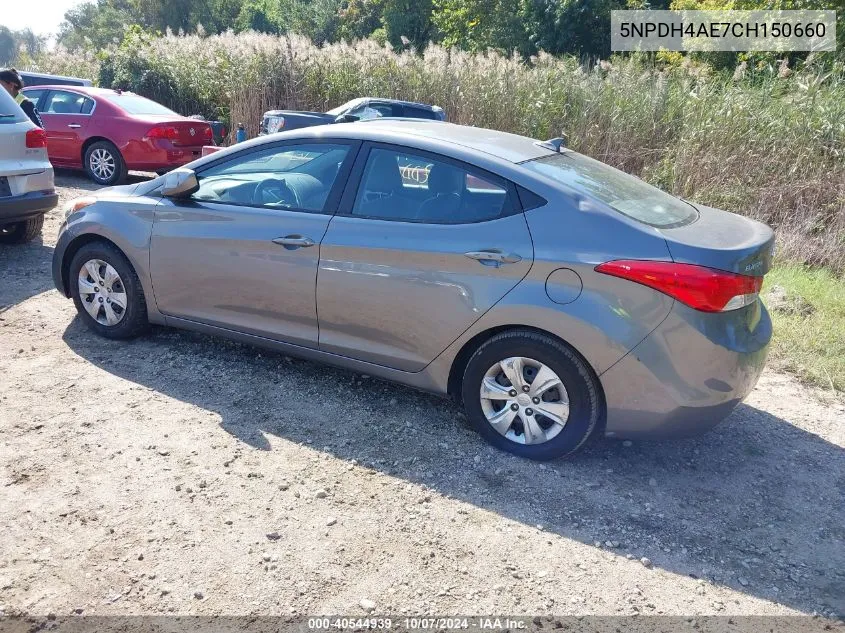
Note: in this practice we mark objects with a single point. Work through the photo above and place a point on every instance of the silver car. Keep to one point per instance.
(26, 175)
(556, 298)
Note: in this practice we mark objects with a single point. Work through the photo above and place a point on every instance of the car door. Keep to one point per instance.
(242, 252)
(66, 116)
(419, 251)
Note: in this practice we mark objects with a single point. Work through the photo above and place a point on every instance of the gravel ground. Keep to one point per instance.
(180, 473)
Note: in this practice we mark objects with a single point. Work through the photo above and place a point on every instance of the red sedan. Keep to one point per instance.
(108, 132)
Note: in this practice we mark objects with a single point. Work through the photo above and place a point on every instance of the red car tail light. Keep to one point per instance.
(36, 138)
(699, 287)
(208, 134)
(167, 132)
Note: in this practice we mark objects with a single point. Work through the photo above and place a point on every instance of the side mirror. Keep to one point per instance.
(180, 183)
(347, 118)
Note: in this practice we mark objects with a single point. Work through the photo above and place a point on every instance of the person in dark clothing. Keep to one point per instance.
(12, 82)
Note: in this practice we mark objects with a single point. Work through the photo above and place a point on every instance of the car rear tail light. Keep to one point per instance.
(208, 134)
(699, 287)
(36, 138)
(167, 132)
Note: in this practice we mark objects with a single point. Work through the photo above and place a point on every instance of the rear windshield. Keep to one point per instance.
(625, 193)
(133, 104)
(421, 113)
(10, 111)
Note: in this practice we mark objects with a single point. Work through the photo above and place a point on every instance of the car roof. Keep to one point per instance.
(91, 91)
(435, 136)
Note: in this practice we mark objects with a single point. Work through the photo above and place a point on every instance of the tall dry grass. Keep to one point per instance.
(770, 145)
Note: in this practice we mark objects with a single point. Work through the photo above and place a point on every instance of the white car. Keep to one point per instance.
(27, 190)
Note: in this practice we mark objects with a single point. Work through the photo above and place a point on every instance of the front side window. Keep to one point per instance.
(34, 95)
(60, 102)
(296, 177)
(624, 193)
(413, 188)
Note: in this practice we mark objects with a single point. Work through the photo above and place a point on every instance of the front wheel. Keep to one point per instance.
(104, 164)
(107, 292)
(529, 394)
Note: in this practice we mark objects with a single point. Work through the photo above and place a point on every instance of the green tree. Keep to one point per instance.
(581, 27)
(359, 19)
(29, 43)
(95, 24)
(258, 15)
(8, 47)
(407, 22)
(478, 25)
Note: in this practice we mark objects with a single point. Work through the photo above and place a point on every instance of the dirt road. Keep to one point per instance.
(178, 473)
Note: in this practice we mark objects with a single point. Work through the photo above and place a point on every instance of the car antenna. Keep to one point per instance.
(555, 144)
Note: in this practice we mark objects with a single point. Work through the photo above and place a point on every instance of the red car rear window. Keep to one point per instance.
(134, 104)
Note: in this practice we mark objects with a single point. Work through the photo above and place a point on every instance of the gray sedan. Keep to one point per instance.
(554, 297)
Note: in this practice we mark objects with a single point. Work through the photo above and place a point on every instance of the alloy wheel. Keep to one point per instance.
(524, 400)
(102, 163)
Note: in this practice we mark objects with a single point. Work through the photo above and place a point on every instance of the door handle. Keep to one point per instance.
(494, 257)
(292, 242)
(74, 125)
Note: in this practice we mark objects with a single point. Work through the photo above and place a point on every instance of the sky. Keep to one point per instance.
(42, 16)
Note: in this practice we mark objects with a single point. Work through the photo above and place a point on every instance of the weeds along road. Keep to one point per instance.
(179, 473)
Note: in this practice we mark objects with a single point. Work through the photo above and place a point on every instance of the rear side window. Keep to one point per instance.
(10, 112)
(624, 193)
(413, 188)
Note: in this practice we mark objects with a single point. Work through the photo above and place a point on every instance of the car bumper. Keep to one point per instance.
(26, 206)
(62, 242)
(687, 375)
(159, 155)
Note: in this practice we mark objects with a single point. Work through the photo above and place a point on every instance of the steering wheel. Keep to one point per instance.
(277, 192)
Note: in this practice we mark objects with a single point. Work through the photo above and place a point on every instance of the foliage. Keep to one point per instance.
(766, 143)
(479, 25)
(579, 27)
(808, 315)
(19, 47)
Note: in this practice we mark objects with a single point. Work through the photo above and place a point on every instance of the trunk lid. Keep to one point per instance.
(192, 133)
(189, 132)
(723, 240)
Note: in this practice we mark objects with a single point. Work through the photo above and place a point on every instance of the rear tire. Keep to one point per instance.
(22, 232)
(104, 164)
(558, 420)
(100, 272)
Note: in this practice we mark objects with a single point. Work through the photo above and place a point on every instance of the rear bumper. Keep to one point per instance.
(159, 155)
(688, 374)
(29, 205)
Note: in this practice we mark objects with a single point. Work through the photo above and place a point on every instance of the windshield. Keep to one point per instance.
(10, 112)
(134, 104)
(625, 193)
(344, 108)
